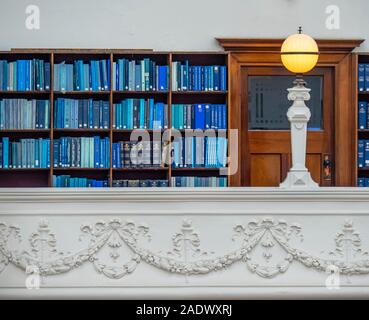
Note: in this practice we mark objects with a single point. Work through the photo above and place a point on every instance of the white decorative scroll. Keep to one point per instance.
(186, 256)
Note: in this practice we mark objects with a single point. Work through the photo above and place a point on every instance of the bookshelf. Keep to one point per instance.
(42, 177)
(361, 134)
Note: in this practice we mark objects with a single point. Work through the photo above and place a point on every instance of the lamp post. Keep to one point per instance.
(299, 54)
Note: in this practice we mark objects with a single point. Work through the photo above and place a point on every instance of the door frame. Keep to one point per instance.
(336, 54)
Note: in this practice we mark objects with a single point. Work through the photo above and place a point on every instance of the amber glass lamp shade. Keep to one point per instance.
(299, 53)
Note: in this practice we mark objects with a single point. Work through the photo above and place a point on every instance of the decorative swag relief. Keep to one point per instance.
(264, 245)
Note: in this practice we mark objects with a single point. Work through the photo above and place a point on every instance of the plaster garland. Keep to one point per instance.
(186, 257)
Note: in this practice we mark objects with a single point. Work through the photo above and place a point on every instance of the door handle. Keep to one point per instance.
(327, 167)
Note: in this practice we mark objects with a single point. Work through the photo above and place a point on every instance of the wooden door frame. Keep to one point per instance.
(336, 54)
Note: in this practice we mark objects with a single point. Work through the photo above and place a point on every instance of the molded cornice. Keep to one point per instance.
(274, 45)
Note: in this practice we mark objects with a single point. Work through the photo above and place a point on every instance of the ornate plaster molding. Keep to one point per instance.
(256, 243)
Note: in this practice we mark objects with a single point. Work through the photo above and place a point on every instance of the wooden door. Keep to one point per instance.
(266, 145)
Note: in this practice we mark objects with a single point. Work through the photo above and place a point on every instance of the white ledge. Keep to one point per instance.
(340, 194)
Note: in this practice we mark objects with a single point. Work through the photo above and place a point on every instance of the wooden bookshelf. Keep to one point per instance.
(360, 96)
(43, 177)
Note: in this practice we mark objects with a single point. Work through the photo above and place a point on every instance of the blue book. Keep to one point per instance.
(366, 182)
(208, 116)
(28, 75)
(115, 155)
(121, 74)
(97, 151)
(108, 74)
(366, 72)
(151, 113)
(366, 153)
(160, 112)
(21, 85)
(216, 78)
(55, 153)
(361, 77)
(47, 76)
(118, 155)
(105, 115)
(199, 116)
(362, 115)
(48, 150)
(223, 78)
(162, 85)
(138, 81)
(361, 182)
(142, 114)
(5, 152)
(107, 153)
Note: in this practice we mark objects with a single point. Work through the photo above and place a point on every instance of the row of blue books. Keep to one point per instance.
(199, 181)
(79, 76)
(363, 115)
(199, 116)
(143, 75)
(66, 181)
(24, 114)
(24, 75)
(133, 154)
(140, 183)
(140, 114)
(363, 153)
(195, 152)
(86, 113)
(363, 77)
(363, 182)
(81, 152)
(198, 78)
(25, 153)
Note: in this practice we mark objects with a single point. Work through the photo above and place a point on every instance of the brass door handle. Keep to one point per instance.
(327, 167)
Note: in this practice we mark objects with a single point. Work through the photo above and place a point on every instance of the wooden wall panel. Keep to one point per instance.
(265, 170)
(314, 164)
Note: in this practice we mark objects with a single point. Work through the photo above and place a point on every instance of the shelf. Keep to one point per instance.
(139, 130)
(25, 130)
(81, 169)
(24, 169)
(141, 169)
(79, 130)
(199, 92)
(25, 92)
(197, 169)
(66, 93)
(140, 92)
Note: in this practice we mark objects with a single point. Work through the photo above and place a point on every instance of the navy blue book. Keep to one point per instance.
(366, 153)
(361, 182)
(361, 77)
(360, 153)
(362, 115)
(366, 67)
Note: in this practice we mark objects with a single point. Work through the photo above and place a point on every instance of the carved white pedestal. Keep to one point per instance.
(298, 115)
(184, 243)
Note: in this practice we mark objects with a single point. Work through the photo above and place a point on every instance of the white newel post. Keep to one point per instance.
(298, 115)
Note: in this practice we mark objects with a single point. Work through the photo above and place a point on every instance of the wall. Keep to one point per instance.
(173, 24)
